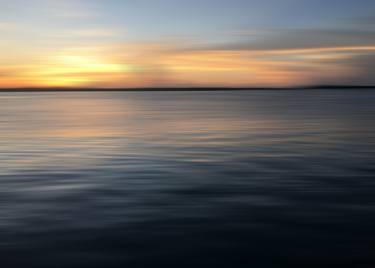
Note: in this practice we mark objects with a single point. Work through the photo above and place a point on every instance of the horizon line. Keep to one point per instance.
(93, 89)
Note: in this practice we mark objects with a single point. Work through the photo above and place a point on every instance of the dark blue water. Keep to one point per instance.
(188, 179)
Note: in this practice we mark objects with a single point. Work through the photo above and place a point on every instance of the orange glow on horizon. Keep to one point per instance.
(144, 65)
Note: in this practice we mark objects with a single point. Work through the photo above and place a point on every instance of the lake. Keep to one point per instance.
(188, 179)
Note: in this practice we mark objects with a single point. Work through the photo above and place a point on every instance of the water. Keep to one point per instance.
(187, 179)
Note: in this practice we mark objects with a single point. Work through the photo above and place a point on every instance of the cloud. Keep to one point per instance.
(278, 39)
(180, 64)
(290, 57)
(9, 26)
(93, 33)
(363, 70)
(361, 21)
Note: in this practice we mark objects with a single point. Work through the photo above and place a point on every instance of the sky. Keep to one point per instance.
(186, 43)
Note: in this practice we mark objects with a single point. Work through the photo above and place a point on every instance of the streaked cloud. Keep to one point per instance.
(92, 33)
(276, 39)
(6, 26)
(166, 64)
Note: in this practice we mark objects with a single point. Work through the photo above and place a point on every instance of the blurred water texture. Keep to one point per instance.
(184, 179)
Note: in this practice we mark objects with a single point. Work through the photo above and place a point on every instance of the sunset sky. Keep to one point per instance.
(167, 43)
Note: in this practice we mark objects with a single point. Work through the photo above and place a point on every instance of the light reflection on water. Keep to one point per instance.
(186, 178)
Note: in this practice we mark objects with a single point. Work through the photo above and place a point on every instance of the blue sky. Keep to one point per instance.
(146, 19)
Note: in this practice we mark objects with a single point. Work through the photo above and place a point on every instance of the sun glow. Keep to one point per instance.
(76, 70)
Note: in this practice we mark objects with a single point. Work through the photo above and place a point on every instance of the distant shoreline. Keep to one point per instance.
(179, 89)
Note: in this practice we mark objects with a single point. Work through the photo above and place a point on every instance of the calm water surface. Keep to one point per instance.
(187, 179)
